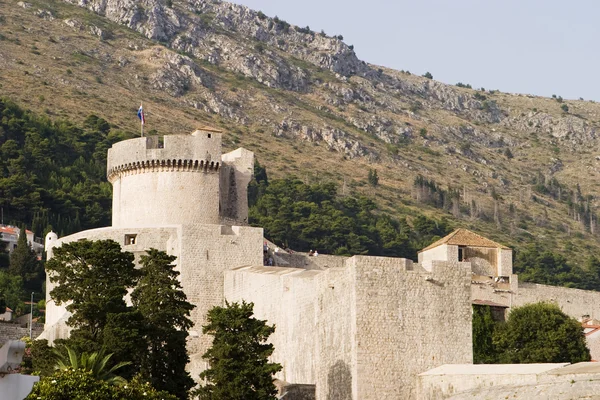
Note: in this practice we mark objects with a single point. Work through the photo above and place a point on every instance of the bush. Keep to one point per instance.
(540, 333)
(428, 75)
(80, 385)
(565, 108)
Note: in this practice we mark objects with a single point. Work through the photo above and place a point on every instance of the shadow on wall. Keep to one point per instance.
(339, 382)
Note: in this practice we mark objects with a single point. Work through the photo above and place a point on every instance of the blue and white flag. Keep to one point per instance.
(141, 115)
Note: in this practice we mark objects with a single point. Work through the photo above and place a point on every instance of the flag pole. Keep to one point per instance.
(142, 119)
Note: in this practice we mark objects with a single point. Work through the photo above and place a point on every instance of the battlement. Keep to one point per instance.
(198, 152)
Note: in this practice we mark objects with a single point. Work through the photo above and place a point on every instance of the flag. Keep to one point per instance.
(141, 115)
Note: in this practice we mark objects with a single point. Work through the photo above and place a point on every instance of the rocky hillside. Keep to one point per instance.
(519, 168)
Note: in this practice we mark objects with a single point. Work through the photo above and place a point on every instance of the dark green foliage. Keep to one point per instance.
(11, 292)
(239, 357)
(565, 108)
(24, 263)
(540, 333)
(161, 301)
(152, 334)
(95, 277)
(39, 358)
(304, 217)
(484, 326)
(281, 25)
(534, 264)
(261, 15)
(53, 173)
(508, 154)
(81, 385)
(463, 85)
(373, 178)
(428, 75)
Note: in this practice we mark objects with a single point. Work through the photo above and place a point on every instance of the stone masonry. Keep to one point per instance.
(346, 327)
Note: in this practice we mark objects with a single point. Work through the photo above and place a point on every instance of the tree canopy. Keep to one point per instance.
(53, 173)
(163, 305)
(302, 217)
(152, 333)
(238, 359)
(94, 276)
(540, 333)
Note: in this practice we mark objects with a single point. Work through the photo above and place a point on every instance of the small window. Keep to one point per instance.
(209, 135)
(130, 239)
(461, 253)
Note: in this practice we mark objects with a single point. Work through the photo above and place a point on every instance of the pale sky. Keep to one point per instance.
(540, 47)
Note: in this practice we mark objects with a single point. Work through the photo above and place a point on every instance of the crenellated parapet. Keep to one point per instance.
(154, 165)
(166, 180)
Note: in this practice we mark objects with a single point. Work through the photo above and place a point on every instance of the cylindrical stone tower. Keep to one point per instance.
(162, 182)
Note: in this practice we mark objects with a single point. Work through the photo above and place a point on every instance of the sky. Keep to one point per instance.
(540, 47)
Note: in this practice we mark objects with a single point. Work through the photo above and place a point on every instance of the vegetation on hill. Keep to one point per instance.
(53, 172)
(534, 333)
(302, 217)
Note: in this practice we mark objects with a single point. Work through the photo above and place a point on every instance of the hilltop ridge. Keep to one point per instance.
(516, 167)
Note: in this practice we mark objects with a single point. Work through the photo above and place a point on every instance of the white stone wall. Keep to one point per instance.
(166, 197)
(408, 322)
(448, 380)
(363, 331)
(574, 302)
(238, 168)
(439, 253)
(207, 252)
(285, 297)
(593, 343)
(505, 267)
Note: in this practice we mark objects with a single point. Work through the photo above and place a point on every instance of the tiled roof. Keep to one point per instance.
(464, 237)
(207, 128)
(488, 303)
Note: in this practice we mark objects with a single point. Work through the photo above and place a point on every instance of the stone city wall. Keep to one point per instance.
(11, 331)
(285, 297)
(408, 322)
(207, 252)
(574, 302)
(449, 380)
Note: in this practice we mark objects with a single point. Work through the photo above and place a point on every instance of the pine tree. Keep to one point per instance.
(24, 263)
(238, 359)
(373, 178)
(94, 276)
(161, 301)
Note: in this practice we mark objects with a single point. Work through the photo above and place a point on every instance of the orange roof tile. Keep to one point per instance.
(464, 237)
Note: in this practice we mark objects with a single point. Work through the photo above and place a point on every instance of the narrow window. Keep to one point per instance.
(209, 135)
(130, 239)
(461, 254)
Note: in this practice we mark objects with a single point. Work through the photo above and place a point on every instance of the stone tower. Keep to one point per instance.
(169, 181)
(179, 194)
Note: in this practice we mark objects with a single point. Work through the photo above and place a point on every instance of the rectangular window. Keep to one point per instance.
(461, 253)
(130, 239)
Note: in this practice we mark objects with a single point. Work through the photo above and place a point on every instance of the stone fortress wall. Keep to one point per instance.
(364, 330)
(355, 328)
